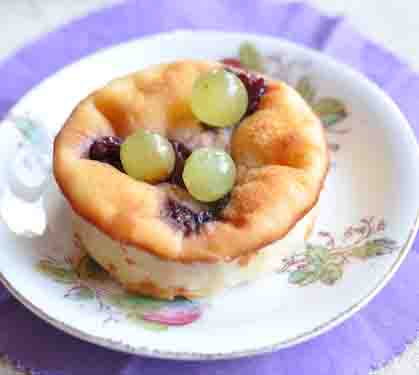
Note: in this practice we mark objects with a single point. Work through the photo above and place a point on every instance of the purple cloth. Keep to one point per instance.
(367, 340)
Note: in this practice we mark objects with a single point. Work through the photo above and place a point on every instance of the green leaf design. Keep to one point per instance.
(368, 250)
(56, 272)
(332, 119)
(306, 89)
(88, 268)
(250, 57)
(314, 265)
(336, 259)
(318, 253)
(131, 302)
(328, 106)
(298, 276)
(83, 293)
(331, 273)
(304, 277)
(361, 252)
(330, 111)
(26, 128)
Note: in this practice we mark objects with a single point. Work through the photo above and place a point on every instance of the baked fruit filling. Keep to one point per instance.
(221, 99)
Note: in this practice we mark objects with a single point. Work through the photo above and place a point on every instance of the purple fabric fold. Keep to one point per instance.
(369, 339)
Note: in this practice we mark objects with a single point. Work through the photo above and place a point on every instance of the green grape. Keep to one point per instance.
(147, 156)
(219, 98)
(209, 174)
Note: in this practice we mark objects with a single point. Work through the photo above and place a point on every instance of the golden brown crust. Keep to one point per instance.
(280, 152)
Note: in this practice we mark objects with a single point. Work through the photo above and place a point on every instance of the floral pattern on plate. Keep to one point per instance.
(325, 262)
(331, 111)
(85, 280)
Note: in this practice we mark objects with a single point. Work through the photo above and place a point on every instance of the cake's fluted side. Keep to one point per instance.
(143, 273)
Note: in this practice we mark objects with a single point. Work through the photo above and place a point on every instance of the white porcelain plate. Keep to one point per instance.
(367, 221)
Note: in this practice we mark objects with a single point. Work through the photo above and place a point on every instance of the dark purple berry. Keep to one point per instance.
(106, 150)
(182, 153)
(255, 86)
(189, 221)
(183, 217)
(218, 206)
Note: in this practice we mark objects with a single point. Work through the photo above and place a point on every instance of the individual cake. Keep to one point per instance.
(190, 177)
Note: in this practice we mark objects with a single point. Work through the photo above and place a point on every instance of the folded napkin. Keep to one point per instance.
(368, 340)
